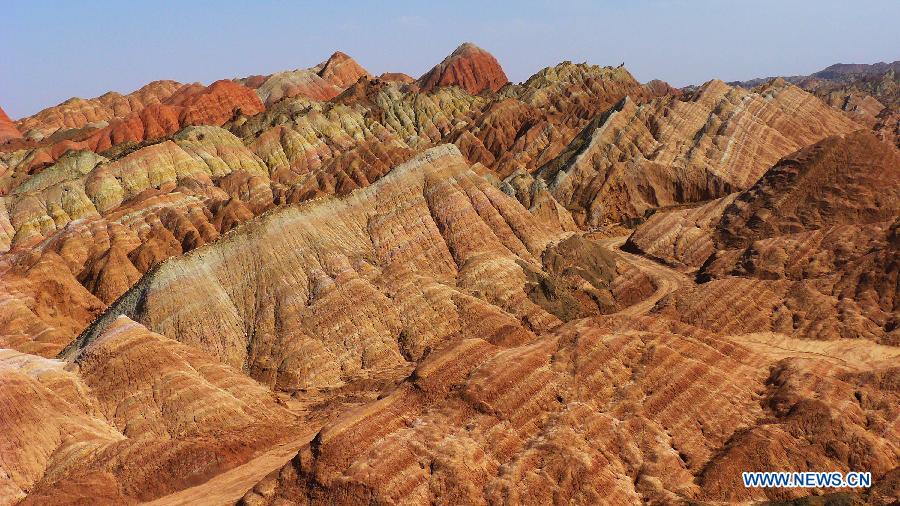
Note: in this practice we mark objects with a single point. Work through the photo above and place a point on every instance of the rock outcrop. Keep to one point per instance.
(77, 113)
(870, 94)
(341, 70)
(322, 82)
(431, 235)
(605, 410)
(132, 417)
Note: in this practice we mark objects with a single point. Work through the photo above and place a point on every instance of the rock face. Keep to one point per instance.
(399, 77)
(342, 71)
(870, 94)
(191, 105)
(322, 82)
(469, 67)
(677, 150)
(140, 204)
(320, 287)
(8, 129)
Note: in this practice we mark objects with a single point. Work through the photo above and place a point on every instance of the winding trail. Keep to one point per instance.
(667, 280)
(851, 353)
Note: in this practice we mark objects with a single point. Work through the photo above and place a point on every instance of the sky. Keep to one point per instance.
(54, 50)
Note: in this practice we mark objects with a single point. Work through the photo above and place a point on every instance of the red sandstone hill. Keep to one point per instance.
(341, 70)
(8, 129)
(322, 82)
(79, 113)
(469, 67)
(399, 77)
(190, 105)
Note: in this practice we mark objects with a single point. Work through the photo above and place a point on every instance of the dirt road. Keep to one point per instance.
(667, 280)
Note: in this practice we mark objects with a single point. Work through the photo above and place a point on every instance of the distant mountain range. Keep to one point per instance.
(844, 72)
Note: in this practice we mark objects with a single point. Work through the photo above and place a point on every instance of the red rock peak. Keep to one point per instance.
(468, 67)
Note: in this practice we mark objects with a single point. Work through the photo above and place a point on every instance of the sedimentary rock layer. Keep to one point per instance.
(131, 417)
(77, 113)
(420, 286)
(606, 410)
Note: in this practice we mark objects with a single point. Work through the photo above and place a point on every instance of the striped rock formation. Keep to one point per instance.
(813, 244)
(103, 221)
(321, 287)
(133, 416)
(190, 105)
(77, 113)
(322, 82)
(678, 150)
(335, 281)
(611, 410)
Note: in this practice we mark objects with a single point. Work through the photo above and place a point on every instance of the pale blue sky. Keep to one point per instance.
(56, 50)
